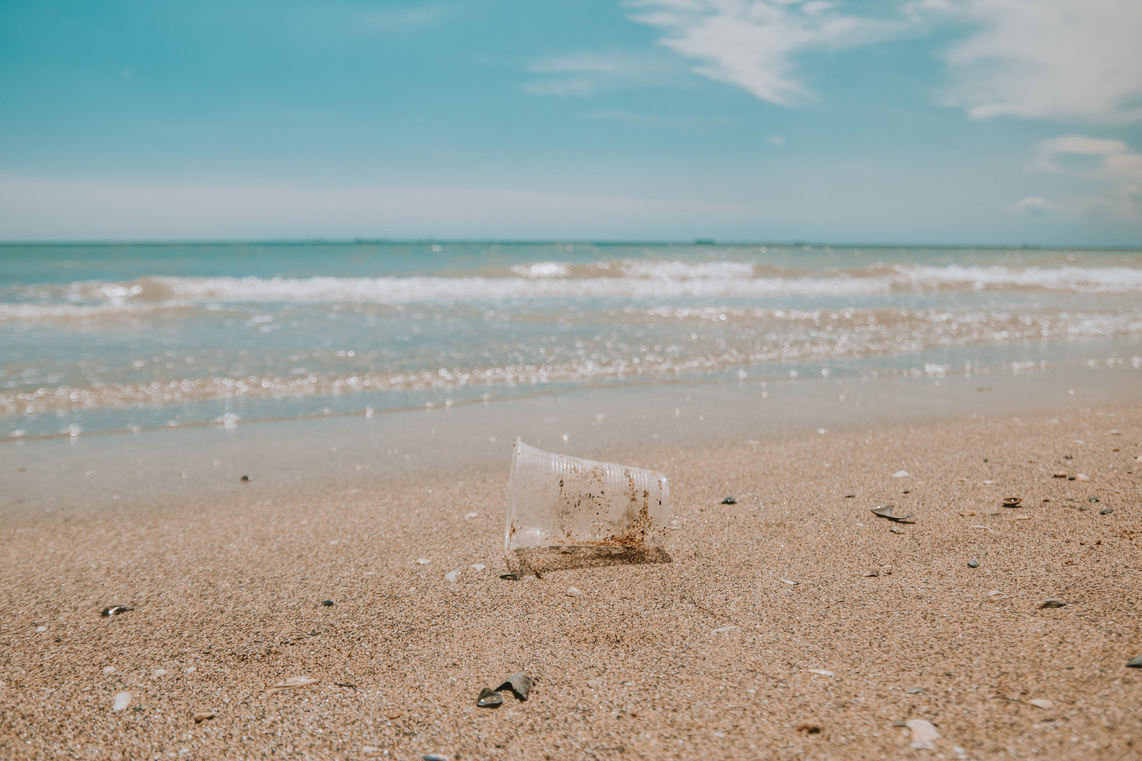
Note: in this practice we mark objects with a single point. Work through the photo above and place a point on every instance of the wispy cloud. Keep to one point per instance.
(1049, 59)
(583, 74)
(1041, 59)
(755, 44)
(412, 16)
(1109, 163)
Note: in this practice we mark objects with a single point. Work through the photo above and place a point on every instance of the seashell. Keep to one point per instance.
(327, 603)
(201, 716)
(725, 629)
(1136, 663)
(888, 511)
(519, 683)
(871, 572)
(729, 501)
(822, 672)
(489, 698)
(573, 592)
(1082, 477)
(1040, 703)
(423, 561)
(1058, 475)
(115, 610)
(292, 684)
(1052, 602)
(1012, 501)
(122, 700)
(452, 576)
(923, 733)
(901, 474)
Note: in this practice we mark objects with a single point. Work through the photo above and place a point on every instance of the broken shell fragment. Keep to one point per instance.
(809, 727)
(122, 700)
(1040, 703)
(201, 716)
(923, 733)
(1012, 501)
(519, 683)
(888, 511)
(114, 610)
(1052, 602)
(489, 698)
(973, 563)
(1135, 664)
(573, 592)
(292, 683)
(871, 572)
(729, 501)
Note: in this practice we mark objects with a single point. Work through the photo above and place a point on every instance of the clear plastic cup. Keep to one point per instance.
(557, 502)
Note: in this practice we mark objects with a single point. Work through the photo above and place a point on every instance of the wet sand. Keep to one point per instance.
(715, 654)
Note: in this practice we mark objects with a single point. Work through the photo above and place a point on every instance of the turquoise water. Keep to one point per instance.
(126, 337)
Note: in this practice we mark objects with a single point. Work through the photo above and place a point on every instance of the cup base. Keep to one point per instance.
(530, 561)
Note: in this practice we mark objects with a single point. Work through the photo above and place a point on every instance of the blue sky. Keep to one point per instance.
(902, 121)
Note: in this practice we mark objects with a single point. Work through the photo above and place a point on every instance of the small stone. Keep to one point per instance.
(1136, 663)
(41, 628)
(809, 727)
(871, 572)
(114, 610)
(519, 683)
(573, 592)
(202, 716)
(489, 698)
(423, 561)
(434, 757)
(973, 563)
(108, 669)
(901, 474)
(915, 691)
(121, 701)
(245, 479)
(1082, 477)
(1040, 703)
(394, 715)
(729, 501)
(594, 684)
(452, 576)
(1092, 499)
(327, 603)
(1106, 511)
(1052, 602)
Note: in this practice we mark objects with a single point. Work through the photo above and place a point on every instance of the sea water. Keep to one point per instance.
(105, 338)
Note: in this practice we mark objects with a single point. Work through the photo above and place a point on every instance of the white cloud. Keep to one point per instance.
(1041, 59)
(1049, 59)
(754, 44)
(582, 74)
(1109, 163)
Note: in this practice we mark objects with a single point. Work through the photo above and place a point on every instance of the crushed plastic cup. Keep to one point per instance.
(577, 512)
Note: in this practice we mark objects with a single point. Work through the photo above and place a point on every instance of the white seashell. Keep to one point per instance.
(423, 561)
(159, 672)
(901, 474)
(573, 592)
(108, 669)
(1040, 703)
(724, 629)
(923, 733)
(292, 684)
(479, 567)
(122, 700)
(452, 575)
(822, 672)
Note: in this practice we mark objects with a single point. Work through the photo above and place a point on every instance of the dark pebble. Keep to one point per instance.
(509, 576)
(114, 610)
(973, 564)
(1092, 499)
(327, 603)
(1136, 663)
(245, 478)
(1106, 511)
(489, 698)
(850, 496)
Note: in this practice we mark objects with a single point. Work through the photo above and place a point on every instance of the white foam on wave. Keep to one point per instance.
(1067, 278)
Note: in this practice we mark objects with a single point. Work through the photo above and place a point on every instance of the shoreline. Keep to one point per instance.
(711, 654)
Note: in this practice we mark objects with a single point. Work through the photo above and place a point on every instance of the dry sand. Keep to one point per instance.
(712, 655)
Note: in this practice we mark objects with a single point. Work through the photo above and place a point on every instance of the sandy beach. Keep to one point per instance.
(792, 624)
